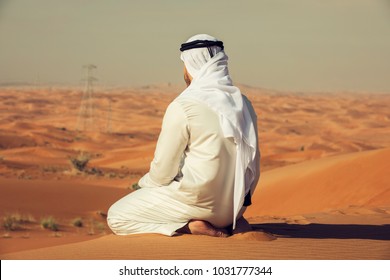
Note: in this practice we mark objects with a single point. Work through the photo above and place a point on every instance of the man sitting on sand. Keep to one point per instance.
(206, 162)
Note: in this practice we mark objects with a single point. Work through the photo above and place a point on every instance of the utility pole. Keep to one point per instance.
(86, 114)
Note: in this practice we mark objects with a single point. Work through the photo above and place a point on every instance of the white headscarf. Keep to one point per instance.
(211, 84)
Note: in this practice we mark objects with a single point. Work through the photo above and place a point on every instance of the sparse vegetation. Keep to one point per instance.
(53, 168)
(78, 222)
(135, 186)
(23, 175)
(50, 223)
(94, 171)
(14, 221)
(10, 223)
(80, 162)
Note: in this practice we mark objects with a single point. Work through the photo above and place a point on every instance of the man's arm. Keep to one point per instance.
(170, 147)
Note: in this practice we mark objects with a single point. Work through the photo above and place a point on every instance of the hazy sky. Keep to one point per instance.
(278, 44)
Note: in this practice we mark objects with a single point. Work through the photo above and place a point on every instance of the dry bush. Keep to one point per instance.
(80, 162)
(78, 222)
(50, 223)
(14, 221)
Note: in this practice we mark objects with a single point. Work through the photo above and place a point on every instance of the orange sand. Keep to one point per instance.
(324, 191)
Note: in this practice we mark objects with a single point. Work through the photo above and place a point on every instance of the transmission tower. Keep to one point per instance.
(85, 118)
(109, 116)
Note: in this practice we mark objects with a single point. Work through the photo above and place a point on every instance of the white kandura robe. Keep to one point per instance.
(191, 176)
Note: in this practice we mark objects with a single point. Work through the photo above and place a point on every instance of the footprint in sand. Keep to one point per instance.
(254, 236)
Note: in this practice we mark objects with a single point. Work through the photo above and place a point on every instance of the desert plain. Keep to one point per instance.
(324, 191)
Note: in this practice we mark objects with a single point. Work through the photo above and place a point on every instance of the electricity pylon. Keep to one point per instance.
(109, 116)
(85, 118)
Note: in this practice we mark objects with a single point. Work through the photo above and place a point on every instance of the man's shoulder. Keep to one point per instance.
(187, 101)
(183, 104)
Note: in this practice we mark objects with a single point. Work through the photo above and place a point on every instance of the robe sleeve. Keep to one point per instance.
(171, 144)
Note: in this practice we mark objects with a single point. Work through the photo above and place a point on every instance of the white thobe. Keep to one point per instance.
(190, 177)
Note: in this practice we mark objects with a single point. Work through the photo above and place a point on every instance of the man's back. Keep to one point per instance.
(209, 163)
(201, 160)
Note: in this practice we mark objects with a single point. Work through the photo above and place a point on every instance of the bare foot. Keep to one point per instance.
(242, 226)
(200, 227)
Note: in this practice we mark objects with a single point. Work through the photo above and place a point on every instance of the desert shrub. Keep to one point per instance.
(80, 162)
(14, 221)
(49, 223)
(10, 223)
(78, 222)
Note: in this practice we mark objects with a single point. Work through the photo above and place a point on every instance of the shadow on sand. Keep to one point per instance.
(323, 231)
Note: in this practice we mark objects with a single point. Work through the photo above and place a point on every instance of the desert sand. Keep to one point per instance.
(324, 191)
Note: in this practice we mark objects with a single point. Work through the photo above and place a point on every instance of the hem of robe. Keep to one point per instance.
(164, 229)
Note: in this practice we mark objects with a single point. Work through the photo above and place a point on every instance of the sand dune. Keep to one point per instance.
(324, 191)
(336, 182)
(200, 247)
